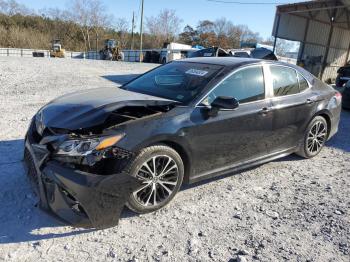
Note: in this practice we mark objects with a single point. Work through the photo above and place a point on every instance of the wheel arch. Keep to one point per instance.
(179, 144)
(327, 116)
(180, 149)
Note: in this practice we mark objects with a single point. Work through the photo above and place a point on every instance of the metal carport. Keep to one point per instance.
(323, 30)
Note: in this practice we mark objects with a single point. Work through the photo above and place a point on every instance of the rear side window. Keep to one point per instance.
(303, 84)
(285, 81)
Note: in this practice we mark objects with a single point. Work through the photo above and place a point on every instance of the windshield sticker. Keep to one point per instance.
(196, 72)
(208, 54)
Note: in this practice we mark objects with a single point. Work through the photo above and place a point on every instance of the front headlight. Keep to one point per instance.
(82, 147)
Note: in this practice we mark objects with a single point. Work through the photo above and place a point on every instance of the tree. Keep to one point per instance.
(248, 35)
(222, 28)
(282, 46)
(11, 7)
(189, 36)
(122, 29)
(91, 16)
(234, 34)
(164, 27)
(207, 36)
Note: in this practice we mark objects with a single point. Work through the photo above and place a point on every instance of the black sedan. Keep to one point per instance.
(91, 153)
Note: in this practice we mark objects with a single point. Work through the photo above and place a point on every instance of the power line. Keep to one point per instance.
(245, 3)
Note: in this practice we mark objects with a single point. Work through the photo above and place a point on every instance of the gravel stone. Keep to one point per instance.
(243, 252)
(272, 214)
(241, 259)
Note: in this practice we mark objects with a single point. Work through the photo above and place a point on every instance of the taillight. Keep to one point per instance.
(338, 96)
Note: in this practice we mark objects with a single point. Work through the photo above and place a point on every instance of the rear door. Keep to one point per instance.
(292, 106)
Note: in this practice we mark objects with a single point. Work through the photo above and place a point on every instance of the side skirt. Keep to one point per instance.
(242, 166)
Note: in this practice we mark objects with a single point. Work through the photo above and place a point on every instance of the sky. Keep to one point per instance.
(258, 17)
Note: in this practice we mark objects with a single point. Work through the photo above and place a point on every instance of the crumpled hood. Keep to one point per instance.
(91, 107)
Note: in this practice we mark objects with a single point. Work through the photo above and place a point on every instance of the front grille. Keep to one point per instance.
(32, 173)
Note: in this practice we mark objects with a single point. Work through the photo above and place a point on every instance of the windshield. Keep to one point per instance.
(179, 81)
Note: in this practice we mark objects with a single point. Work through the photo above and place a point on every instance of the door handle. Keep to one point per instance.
(310, 101)
(265, 110)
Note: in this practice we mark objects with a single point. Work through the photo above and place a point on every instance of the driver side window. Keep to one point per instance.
(246, 85)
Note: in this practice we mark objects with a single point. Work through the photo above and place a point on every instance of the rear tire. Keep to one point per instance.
(161, 169)
(315, 137)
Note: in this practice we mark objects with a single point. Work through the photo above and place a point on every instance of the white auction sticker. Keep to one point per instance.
(196, 72)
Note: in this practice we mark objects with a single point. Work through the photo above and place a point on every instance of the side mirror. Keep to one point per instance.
(223, 102)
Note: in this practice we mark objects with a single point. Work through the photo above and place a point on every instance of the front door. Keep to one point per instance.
(232, 136)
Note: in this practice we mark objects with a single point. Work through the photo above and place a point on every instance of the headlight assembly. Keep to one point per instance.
(82, 147)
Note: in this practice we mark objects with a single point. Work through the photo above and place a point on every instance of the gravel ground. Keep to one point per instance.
(290, 209)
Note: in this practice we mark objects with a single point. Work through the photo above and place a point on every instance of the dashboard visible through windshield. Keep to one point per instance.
(179, 81)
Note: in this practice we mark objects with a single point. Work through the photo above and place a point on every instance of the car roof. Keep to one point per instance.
(235, 62)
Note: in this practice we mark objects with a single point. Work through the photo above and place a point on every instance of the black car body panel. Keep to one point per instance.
(80, 190)
(346, 97)
(345, 91)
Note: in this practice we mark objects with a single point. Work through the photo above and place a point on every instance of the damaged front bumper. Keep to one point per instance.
(78, 198)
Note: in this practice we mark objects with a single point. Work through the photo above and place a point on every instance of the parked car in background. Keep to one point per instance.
(345, 91)
(258, 53)
(240, 52)
(90, 153)
(175, 51)
(263, 53)
(211, 52)
(343, 75)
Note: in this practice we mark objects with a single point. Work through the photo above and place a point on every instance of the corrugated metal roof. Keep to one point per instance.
(324, 28)
(325, 11)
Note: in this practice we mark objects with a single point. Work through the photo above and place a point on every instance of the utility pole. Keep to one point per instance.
(96, 45)
(132, 30)
(141, 32)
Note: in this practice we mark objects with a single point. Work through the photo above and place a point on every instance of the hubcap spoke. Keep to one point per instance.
(149, 196)
(143, 187)
(168, 183)
(167, 171)
(154, 166)
(166, 165)
(165, 187)
(148, 168)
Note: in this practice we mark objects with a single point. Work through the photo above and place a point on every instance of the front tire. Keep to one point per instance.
(161, 169)
(315, 137)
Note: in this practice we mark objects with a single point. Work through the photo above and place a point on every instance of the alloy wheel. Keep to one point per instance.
(316, 137)
(159, 176)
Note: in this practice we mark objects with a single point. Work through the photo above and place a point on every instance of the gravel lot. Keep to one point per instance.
(290, 209)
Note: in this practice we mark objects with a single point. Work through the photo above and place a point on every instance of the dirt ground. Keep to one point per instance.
(290, 209)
